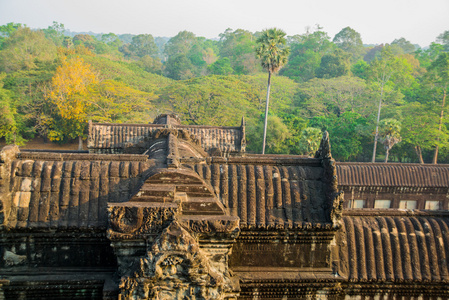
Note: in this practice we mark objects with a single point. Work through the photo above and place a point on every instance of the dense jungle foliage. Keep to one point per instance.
(52, 81)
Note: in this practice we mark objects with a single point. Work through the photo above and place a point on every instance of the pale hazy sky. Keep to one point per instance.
(378, 21)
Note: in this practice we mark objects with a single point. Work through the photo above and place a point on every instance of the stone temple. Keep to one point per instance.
(169, 211)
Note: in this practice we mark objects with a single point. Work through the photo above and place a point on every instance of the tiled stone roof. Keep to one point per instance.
(394, 247)
(392, 174)
(68, 193)
(269, 195)
(115, 138)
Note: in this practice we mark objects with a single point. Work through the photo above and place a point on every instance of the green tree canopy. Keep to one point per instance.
(310, 140)
(277, 135)
(142, 45)
(180, 43)
(55, 33)
(335, 96)
(349, 134)
(7, 30)
(420, 128)
(334, 64)
(427, 56)
(238, 46)
(350, 41)
(26, 49)
(214, 100)
(444, 40)
(179, 67)
(305, 55)
(404, 44)
(9, 119)
(221, 67)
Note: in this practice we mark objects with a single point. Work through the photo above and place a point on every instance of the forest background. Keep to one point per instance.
(52, 81)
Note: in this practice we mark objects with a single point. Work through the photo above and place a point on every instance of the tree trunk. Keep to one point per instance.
(80, 143)
(435, 154)
(377, 124)
(266, 112)
(387, 153)
(419, 153)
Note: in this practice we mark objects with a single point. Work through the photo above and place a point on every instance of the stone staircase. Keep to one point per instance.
(194, 196)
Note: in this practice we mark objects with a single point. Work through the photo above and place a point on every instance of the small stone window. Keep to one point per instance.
(433, 205)
(382, 203)
(407, 204)
(357, 203)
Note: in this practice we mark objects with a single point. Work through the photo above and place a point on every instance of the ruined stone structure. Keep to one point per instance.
(168, 211)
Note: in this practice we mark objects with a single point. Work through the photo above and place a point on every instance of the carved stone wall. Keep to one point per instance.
(166, 250)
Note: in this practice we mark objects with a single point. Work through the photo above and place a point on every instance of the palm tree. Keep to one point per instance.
(273, 55)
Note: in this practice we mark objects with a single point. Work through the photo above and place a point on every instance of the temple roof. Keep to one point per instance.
(63, 190)
(392, 174)
(270, 194)
(394, 246)
(72, 190)
(123, 138)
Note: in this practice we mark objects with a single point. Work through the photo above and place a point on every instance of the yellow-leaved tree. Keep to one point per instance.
(70, 95)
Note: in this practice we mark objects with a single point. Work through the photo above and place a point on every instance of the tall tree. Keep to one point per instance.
(68, 90)
(439, 71)
(419, 128)
(273, 54)
(383, 72)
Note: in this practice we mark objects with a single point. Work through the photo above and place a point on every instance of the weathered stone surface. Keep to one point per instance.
(177, 268)
(132, 220)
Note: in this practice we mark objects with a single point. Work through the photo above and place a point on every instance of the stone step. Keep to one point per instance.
(201, 206)
(174, 178)
(157, 190)
(174, 181)
(158, 199)
(194, 190)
